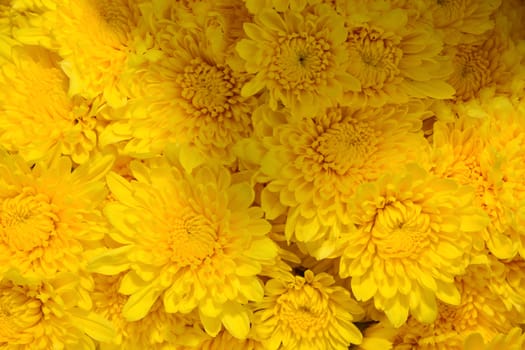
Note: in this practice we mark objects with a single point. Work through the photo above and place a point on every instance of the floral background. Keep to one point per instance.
(262, 174)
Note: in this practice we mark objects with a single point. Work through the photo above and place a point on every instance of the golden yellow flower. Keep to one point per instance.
(414, 233)
(184, 91)
(307, 312)
(513, 340)
(192, 239)
(313, 165)
(46, 315)
(394, 55)
(34, 91)
(297, 58)
(94, 38)
(50, 216)
(490, 62)
(157, 331)
(480, 312)
(484, 148)
(462, 20)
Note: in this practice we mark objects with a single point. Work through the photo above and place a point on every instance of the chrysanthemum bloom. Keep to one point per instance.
(183, 91)
(36, 112)
(480, 311)
(50, 216)
(504, 132)
(484, 148)
(192, 239)
(414, 234)
(307, 312)
(461, 20)
(94, 39)
(513, 340)
(394, 56)
(313, 165)
(46, 316)
(298, 58)
(157, 331)
(490, 62)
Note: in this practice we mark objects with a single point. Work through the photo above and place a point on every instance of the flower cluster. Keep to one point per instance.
(262, 174)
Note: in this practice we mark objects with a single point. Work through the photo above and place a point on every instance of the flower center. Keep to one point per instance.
(373, 59)
(300, 62)
(344, 145)
(401, 230)
(474, 67)
(210, 90)
(18, 313)
(192, 239)
(304, 311)
(27, 221)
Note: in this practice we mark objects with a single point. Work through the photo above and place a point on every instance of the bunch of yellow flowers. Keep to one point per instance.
(262, 174)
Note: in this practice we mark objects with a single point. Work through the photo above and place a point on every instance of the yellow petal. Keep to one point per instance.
(95, 326)
(271, 19)
(111, 262)
(364, 287)
(236, 320)
(212, 325)
(240, 196)
(397, 311)
(262, 249)
(448, 293)
(139, 303)
(252, 87)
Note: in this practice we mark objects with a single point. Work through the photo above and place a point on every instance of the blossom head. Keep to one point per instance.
(309, 312)
(297, 57)
(34, 90)
(183, 91)
(394, 55)
(46, 314)
(156, 331)
(50, 216)
(313, 165)
(94, 39)
(192, 239)
(414, 234)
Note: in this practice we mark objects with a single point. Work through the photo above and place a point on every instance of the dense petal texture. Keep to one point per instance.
(262, 174)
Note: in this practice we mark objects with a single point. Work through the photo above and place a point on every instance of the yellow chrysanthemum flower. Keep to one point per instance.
(297, 58)
(38, 316)
(479, 312)
(490, 62)
(184, 91)
(313, 165)
(50, 216)
(484, 148)
(461, 20)
(94, 38)
(307, 312)
(33, 91)
(414, 234)
(192, 239)
(513, 340)
(157, 331)
(504, 132)
(394, 56)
